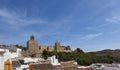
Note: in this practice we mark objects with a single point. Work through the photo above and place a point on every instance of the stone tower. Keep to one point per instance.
(32, 37)
(57, 46)
(32, 45)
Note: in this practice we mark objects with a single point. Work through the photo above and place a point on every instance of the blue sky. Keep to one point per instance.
(87, 24)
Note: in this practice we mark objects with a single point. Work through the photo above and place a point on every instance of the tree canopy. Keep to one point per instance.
(81, 58)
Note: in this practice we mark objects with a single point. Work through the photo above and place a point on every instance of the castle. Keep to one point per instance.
(33, 47)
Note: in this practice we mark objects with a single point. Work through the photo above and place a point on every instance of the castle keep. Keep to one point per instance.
(33, 47)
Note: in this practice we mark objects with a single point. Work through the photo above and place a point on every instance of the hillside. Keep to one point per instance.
(108, 52)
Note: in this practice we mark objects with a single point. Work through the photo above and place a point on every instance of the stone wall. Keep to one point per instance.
(32, 47)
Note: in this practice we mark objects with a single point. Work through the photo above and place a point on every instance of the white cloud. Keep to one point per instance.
(5, 14)
(91, 36)
(114, 19)
(115, 12)
(115, 31)
(77, 40)
(17, 19)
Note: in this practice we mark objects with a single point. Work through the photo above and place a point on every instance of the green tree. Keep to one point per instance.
(82, 58)
(79, 50)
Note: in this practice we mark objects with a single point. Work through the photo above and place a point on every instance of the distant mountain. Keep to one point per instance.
(108, 52)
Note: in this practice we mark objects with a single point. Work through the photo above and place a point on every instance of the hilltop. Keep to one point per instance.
(108, 52)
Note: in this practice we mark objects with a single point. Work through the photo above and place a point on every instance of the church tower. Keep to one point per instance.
(32, 45)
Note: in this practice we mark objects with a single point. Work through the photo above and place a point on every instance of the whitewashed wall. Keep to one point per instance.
(1, 63)
(8, 55)
(111, 68)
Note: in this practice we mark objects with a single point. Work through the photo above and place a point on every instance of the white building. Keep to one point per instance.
(111, 68)
(5, 54)
(53, 60)
(22, 67)
(29, 60)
